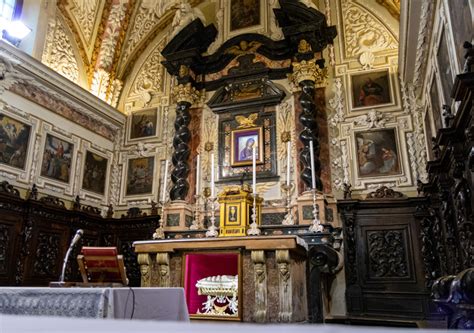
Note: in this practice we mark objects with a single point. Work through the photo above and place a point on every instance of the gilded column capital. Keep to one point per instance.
(185, 93)
(309, 70)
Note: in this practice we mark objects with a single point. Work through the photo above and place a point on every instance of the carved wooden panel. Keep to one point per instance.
(383, 262)
(387, 254)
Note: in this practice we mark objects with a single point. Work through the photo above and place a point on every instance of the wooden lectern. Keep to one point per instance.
(102, 266)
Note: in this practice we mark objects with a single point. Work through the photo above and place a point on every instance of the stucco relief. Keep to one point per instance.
(364, 34)
(149, 79)
(147, 16)
(84, 12)
(58, 52)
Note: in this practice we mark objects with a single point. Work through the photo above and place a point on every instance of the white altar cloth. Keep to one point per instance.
(30, 324)
(120, 303)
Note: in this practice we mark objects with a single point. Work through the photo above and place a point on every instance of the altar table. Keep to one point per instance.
(272, 273)
(119, 303)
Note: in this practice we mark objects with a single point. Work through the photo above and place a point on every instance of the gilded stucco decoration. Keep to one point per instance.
(393, 7)
(148, 13)
(85, 14)
(149, 79)
(364, 33)
(58, 53)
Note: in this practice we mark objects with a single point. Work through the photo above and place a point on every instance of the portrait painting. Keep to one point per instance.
(14, 139)
(57, 159)
(461, 25)
(143, 124)
(370, 89)
(445, 70)
(140, 176)
(435, 104)
(377, 153)
(95, 173)
(244, 14)
(243, 141)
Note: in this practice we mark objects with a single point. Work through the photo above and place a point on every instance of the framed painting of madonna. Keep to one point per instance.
(242, 143)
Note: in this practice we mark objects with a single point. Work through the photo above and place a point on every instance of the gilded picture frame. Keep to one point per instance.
(242, 141)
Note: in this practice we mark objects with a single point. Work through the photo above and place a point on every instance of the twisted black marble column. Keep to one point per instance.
(179, 176)
(309, 132)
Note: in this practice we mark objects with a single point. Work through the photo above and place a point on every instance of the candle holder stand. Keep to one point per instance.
(212, 230)
(289, 218)
(316, 225)
(254, 230)
(196, 224)
(160, 231)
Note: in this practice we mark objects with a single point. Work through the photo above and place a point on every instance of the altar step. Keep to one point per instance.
(389, 322)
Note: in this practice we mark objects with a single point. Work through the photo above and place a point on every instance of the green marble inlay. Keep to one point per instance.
(172, 220)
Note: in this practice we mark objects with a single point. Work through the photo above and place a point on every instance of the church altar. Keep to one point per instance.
(111, 303)
(271, 273)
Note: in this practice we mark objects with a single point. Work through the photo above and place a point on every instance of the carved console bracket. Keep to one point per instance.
(284, 286)
(163, 262)
(144, 260)
(260, 270)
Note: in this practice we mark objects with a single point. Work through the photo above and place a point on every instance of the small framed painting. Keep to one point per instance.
(244, 14)
(143, 124)
(377, 153)
(243, 141)
(370, 89)
(14, 139)
(140, 176)
(57, 158)
(95, 173)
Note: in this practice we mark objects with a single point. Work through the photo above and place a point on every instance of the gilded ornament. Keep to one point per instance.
(244, 47)
(308, 70)
(185, 93)
(304, 46)
(393, 7)
(209, 146)
(286, 136)
(183, 71)
(247, 122)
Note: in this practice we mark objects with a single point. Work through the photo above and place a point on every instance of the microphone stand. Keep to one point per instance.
(76, 238)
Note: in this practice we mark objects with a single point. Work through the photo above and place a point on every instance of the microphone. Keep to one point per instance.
(76, 238)
(74, 241)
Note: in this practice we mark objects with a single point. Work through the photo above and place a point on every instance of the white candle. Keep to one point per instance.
(254, 169)
(165, 182)
(198, 173)
(213, 191)
(313, 174)
(288, 162)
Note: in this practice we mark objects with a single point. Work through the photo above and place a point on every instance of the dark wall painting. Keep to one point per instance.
(14, 139)
(435, 105)
(143, 124)
(244, 14)
(462, 26)
(377, 153)
(370, 89)
(140, 176)
(95, 173)
(57, 159)
(445, 70)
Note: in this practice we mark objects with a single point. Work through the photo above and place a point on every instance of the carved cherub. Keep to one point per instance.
(347, 192)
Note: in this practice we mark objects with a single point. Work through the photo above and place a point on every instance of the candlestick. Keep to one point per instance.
(213, 190)
(196, 225)
(254, 230)
(254, 170)
(289, 218)
(160, 231)
(212, 230)
(316, 224)
(288, 162)
(198, 173)
(165, 181)
(313, 174)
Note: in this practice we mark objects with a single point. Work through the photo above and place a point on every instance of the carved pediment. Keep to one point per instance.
(238, 94)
